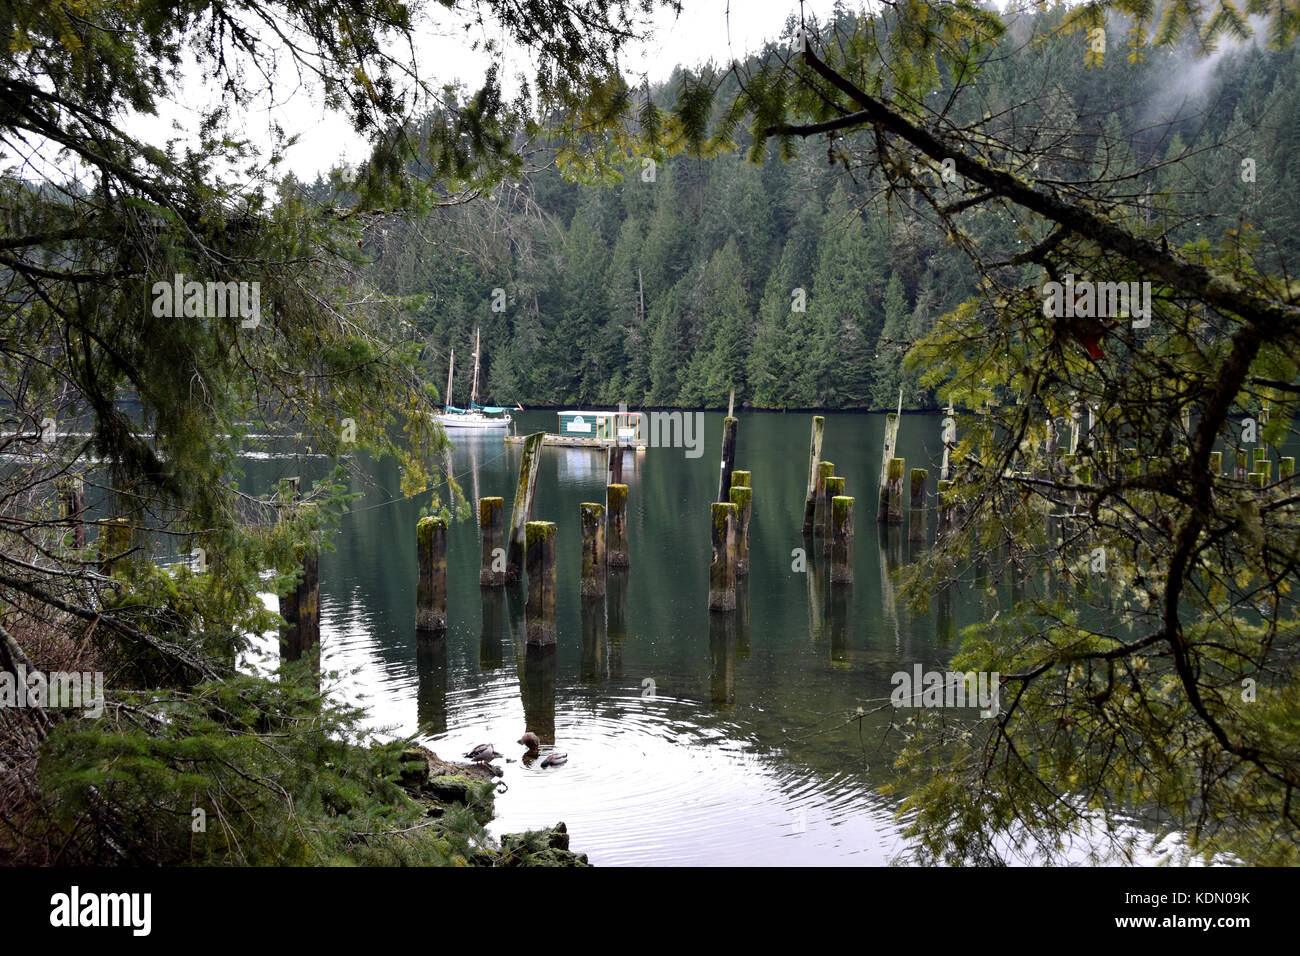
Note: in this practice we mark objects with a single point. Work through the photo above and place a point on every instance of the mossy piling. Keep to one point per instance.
(539, 551)
(722, 567)
(491, 520)
(729, 426)
(593, 549)
(522, 510)
(825, 469)
(814, 460)
(616, 552)
(887, 455)
(833, 487)
(431, 589)
(742, 498)
(893, 502)
(841, 516)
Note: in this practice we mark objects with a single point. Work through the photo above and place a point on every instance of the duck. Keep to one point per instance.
(483, 753)
(531, 741)
(554, 760)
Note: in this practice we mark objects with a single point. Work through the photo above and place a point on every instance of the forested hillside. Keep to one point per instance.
(797, 282)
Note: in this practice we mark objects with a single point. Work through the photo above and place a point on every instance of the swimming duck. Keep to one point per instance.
(531, 741)
(554, 760)
(482, 753)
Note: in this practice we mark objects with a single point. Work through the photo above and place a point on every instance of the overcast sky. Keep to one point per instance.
(721, 30)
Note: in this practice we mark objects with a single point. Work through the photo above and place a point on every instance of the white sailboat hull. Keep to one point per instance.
(474, 420)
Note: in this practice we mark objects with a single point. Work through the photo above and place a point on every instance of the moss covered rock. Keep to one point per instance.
(549, 847)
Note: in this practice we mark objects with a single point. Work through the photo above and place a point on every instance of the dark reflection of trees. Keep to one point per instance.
(431, 696)
(722, 653)
(616, 617)
(593, 639)
(490, 654)
(537, 687)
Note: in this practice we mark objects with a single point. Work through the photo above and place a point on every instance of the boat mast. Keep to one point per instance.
(473, 394)
(451, 368)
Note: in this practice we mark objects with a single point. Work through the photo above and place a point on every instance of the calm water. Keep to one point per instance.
(692, 738)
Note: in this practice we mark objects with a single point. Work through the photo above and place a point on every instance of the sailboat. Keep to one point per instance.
(476, 416)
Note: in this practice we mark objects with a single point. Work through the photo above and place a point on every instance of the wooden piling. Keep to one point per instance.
(522, 508)
(431, 589)
(728, 458)
(887, 455)
(814, 460)
(916, 518)
(113, 543)
(722, 568)
(72, 493)
(1286, 468)
(539, 552)
(1239, 473)
(1049, 446)
(593, 549)
(300, 609)
(491, 518)
(1216, 463)
(614, 460)
(895, 491)
(833, 486)
(742, 498)
(841, 540)
(616, 553)
(950, 443)
(943, 523)
(740, 479)
(824, 470)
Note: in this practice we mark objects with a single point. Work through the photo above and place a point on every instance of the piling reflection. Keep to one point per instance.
(593, 666)
(890, 543)
(742, 618)
(616, 618)
(816, 593)
(537, 688)
(945, 627)
(841, 625)
(722, 654)
(491, 655)
(516, 601)
(431, 695)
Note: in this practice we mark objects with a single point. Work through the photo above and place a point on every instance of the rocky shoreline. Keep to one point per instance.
(441, 785)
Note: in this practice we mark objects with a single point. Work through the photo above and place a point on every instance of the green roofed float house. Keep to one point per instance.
(588, 429)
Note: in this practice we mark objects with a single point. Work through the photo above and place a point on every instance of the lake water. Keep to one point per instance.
(693, 738)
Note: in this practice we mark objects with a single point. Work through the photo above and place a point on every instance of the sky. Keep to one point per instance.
(721, 30)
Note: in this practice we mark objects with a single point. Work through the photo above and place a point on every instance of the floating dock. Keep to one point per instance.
(596, 429)
(575, 441)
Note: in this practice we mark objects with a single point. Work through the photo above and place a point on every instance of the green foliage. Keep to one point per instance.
(246, 771)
